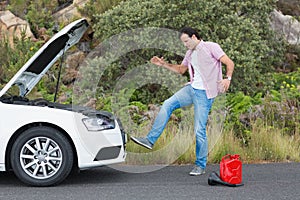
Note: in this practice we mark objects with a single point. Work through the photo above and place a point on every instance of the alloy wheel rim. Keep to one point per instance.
(41, 157)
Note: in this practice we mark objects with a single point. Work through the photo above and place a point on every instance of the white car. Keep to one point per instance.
(42, 141)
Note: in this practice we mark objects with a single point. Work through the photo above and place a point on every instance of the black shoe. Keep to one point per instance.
(142, 141)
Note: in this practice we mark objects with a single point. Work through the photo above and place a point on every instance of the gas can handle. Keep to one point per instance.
(229, 156)
(226, 157)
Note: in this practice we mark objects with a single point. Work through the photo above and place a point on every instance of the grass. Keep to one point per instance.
(177, 144)
(271, 145)
(173, 143)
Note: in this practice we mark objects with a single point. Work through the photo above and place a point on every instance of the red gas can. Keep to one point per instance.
(231, 169)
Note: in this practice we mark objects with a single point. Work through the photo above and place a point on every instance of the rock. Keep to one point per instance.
(73, 62)
(286, 25)
(12, 26)
(3, 5)
(289, 7)
(69, 13)
(91, 103)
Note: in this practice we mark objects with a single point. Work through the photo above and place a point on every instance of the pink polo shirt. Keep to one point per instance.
(209, 54)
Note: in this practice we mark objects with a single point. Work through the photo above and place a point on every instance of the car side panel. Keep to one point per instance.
(87, 143)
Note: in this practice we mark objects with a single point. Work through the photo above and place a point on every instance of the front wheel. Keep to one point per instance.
(42, 156)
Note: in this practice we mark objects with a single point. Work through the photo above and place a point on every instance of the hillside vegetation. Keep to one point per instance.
(262, 107)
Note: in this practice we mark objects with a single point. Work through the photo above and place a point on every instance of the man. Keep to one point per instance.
(204, 61)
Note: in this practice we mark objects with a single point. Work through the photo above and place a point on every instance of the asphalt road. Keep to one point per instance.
(261, 181)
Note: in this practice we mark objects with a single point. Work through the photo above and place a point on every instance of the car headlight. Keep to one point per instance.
(98, 124)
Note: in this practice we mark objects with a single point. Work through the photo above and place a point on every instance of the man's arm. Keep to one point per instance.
(229, 65)
(181, 69)
(229, 71)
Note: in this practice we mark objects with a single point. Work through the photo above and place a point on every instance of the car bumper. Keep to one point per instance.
(98, 148)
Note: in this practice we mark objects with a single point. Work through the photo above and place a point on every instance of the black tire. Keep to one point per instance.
(42, 156)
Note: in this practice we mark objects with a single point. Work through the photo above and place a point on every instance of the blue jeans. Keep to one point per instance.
(202, 105)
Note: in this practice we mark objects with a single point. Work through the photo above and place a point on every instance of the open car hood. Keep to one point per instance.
(36, 67)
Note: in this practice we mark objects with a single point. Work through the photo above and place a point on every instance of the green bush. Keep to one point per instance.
(98, 6)
(240, 27)
(238, 105)
(18, 7)
(13, 58)
(289, 84)
(38, 13)
(278, 109)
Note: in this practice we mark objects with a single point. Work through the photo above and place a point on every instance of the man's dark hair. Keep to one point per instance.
(190, 32)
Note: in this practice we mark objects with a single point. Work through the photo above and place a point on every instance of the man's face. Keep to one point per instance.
(189, 42)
